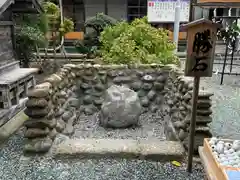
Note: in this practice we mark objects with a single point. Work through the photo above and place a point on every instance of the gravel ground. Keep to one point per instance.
(226, 105)
(13, 166)
(150, 126)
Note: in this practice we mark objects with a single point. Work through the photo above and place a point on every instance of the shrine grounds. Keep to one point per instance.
(226, 115)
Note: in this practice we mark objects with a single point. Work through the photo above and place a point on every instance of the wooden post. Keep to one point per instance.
(201, 38)
(193, 123)
(194, 106)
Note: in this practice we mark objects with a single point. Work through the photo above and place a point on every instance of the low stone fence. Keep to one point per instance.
(177, 111)
(55, 105)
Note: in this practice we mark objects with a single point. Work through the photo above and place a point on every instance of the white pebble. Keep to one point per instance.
(222, 155)
(225, 148)
(228, 145)
(211, 142)
(226, 152)
(214, 139)
(236, 146)
(220, 148)
(238, 153)
(223, 159)
(214, 148)
(231, 151)
(236, 142)
(220, 142)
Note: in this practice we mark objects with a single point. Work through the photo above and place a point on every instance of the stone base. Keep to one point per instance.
(123, 148)
(12, 125)
(7, 114)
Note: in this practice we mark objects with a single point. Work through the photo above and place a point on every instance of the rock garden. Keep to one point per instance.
(134, 94)
(102, 101)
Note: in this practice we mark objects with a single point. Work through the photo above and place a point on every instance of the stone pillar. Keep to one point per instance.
(203, 119)
(64, 99)
(41, 124)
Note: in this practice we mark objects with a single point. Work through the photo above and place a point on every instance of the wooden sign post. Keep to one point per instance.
(201, 38)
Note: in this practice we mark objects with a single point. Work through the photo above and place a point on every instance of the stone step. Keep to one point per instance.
(151, 149)
(201, 120)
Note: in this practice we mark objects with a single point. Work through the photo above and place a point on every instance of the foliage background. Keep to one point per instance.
(33, 30)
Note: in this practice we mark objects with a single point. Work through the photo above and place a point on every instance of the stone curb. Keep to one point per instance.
(120, 148)
(12, 125)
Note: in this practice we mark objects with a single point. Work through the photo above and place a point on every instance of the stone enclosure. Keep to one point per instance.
(57, 104)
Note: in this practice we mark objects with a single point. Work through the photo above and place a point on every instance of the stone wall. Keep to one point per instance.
(55, 105)
(50, 110)
(147, 81)
(177, 110)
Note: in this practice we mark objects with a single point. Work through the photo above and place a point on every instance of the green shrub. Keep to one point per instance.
(99, 22)
(137, 42)
(91, 39)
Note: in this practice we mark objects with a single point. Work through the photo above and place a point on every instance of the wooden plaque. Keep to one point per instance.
(201, 39)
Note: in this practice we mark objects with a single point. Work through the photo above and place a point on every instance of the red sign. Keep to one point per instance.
(151, 4)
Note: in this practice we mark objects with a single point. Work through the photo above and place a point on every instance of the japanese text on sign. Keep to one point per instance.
(201, 45)
(164, 10)
(201, 40)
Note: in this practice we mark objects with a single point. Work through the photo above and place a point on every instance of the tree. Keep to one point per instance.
(34, 30)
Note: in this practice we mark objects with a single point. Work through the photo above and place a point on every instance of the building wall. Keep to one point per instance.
(116, 8)
(74, 9)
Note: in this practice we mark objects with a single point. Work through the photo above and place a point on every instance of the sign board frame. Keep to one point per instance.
(195, 29)
(164, 11)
